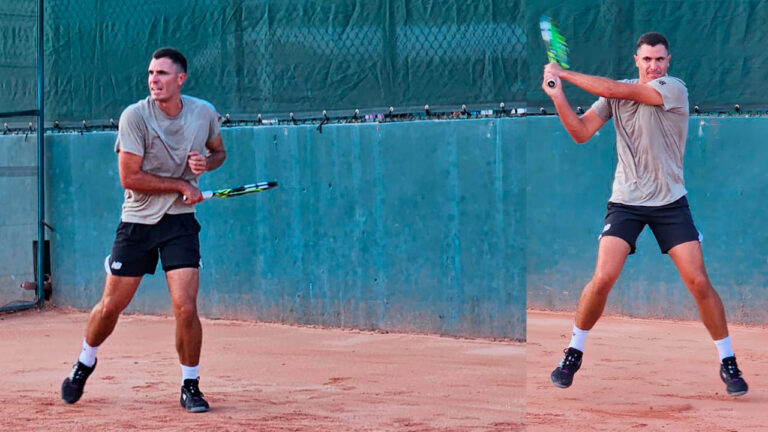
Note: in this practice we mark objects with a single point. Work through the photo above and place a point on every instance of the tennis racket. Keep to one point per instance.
(557, 48)
(241, 190)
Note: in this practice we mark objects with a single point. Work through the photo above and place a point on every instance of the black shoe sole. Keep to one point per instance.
(737, 393)
(557, 384)
(197, 409)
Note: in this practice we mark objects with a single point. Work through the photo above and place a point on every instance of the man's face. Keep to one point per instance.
(652, 62)
(164, 79)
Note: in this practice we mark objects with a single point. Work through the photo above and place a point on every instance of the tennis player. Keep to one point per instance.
(651, 120)
(161, 150)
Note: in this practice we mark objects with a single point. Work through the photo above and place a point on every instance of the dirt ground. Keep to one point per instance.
(644, 375)
(258, 377)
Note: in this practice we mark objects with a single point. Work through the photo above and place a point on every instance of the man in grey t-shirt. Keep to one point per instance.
(164, 143)
(651, 121)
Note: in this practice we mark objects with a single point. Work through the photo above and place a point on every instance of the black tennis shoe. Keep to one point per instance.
(192, 398)
(731, 376)
(562, 376)
(73, 385)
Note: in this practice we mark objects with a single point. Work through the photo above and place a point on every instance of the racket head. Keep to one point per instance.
(546, 34)
(244, 190)
(557, 47)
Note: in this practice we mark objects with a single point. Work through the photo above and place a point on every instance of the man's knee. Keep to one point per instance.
(699, 285)
(109, 309)
(185, 311)
(602, 282)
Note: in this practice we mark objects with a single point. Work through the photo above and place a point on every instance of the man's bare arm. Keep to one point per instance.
(581, 129)
(608, 88)
(216, 153)
(132, 177)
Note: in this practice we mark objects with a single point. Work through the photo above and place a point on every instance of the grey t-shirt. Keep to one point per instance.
(164, 143)
(650, 142)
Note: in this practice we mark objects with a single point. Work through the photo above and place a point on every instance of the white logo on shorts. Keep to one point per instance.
(605, 228)
(117, 265)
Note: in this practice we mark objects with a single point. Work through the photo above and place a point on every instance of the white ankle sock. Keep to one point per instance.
(88, 354)
(578, 337)
(189, 372)
(724, 348)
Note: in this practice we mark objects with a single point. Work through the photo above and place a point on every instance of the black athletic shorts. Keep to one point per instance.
(671, 224)
(137, 246)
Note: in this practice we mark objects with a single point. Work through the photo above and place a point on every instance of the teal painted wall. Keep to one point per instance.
(569, 184)
(18, 216)
(415, 226)
(424, 226)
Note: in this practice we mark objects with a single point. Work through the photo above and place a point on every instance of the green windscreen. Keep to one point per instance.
(716, 46)
(287, 56)
(306, 56)
(18, 36)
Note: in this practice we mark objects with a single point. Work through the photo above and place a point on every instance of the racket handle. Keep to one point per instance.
(206, 195)
(551, 83)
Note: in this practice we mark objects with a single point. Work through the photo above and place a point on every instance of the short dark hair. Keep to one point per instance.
(176, 57)
(653, 39)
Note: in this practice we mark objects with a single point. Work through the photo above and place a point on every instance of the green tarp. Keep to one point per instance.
(305, 56)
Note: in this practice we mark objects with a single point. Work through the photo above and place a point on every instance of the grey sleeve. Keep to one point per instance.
(673, 92)
(603, 108)
(213, 124)
(131, 132)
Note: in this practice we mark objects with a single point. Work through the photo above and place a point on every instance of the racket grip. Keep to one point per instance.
(206, 195)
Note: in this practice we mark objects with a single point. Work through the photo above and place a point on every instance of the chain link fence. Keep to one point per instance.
(277, 57)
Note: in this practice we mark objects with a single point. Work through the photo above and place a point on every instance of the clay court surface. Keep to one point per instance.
(643, 375)
(258, 377)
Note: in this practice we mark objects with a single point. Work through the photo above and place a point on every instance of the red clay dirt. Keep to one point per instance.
(643, 375)
(258, 377)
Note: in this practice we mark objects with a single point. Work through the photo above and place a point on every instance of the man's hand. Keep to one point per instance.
(552, 91)
(191, 194)
(552, 72)
(197, 163)
(553, 69)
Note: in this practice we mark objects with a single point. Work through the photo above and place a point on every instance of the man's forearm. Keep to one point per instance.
(150, 183)
(610, 89)
(598, 86)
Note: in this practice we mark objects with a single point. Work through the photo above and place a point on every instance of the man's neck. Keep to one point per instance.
(171, 108)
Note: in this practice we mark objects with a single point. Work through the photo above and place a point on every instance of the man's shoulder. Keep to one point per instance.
(135, 113)
(136, 109)
(673, 90)
(669, 80)
(198, 103)
(142, 104)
